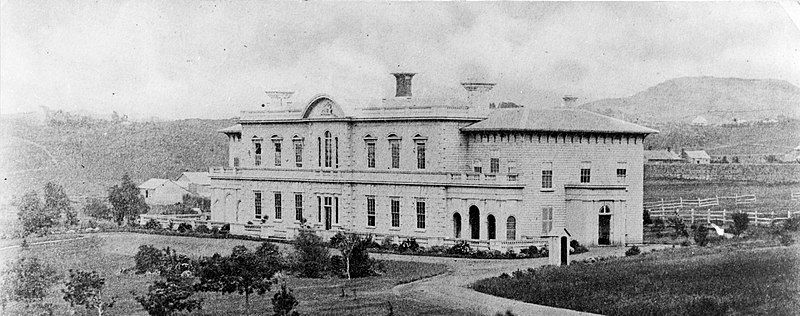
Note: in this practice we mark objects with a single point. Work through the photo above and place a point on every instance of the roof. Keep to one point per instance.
(559, 120)
(697, 154)
(234, 129)
(197, 177)
(661, 155)
(153, 183)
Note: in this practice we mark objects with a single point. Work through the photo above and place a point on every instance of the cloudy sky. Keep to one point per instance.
(211, 59)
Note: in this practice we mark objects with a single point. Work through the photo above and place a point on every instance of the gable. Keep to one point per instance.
(322, 106)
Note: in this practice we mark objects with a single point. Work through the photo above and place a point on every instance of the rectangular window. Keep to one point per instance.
(337, 151)
(319, 151)
(586, 174)
(547, 179)
(278, 205)
(328, 210)
(371, 211)
(236, 162)
(257, 154)
(395, 213)
(371, 155)
(547, 219)
(298, 207)
(336, 209)
(328, 151)
(298, 154)
(395, 144)
(420, 155)
(512, 166)
(277, 154)
(477, 166)
(319, 209)
(421, 214)
(494, 165)
(622, 173)
(257, 203)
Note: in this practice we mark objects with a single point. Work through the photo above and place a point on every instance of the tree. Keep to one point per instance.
(354, 251)
(86, 289)
(284, 302)
(98, 209)
(33, 216)
(56, 202)
(312, 255)
(31, 280)
(147, 259)
(126, 201)
(168, 297)
(245, 272)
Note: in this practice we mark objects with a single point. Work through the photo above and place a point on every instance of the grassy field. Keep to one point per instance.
(683, 281)
(110, 253)
(769, 197)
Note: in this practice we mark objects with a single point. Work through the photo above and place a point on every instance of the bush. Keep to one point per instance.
(530, 252)
(152, 224)
(184, 227)
(148, 259)
(701, 235)
(283, 302)
(577, 247)
(679, 226)
(337, 265)
(632, 251)
(461, 248)
(786, 239)
(202, 229)
(225, 229)
(386, 243)
(646, 218)
(409, 244)
(312, 256)
(740, 221)
(793, 223)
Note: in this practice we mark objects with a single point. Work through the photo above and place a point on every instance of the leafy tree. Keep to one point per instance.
(98, 209)
(245, 272)
(126, 201)
(312, 255)
(31, 280)
(56, 202)
(354, 251)
(86, 289)
(701, 235)
(33, 216)
(148, 259)
(168, 297)
(283, 302)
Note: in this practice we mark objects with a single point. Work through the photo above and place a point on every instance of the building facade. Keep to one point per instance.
(437, 170)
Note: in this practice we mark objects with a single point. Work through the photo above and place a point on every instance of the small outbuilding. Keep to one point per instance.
(661, 156)
(696, 156)
(162, 192)
(558, 241)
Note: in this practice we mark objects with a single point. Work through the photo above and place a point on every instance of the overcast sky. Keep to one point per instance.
(211, 59)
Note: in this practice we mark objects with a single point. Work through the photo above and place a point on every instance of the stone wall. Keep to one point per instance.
(766, 173)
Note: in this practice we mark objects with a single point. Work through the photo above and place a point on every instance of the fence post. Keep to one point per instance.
(692, 216)
(772, 217)
(755, 218)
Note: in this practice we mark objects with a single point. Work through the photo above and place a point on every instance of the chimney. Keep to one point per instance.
(403, 83)
(280, 96)
(477, 95)
(568, 101)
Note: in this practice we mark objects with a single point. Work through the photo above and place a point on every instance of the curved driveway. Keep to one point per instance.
(451, 289)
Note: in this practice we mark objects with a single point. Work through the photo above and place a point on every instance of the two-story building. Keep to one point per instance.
(438, 170)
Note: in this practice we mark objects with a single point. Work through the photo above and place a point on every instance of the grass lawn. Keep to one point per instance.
(110, 253)
(682, 281)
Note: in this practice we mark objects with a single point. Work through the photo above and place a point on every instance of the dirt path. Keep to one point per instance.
(451, 289)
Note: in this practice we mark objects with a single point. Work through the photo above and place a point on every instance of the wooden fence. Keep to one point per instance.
(704, 210)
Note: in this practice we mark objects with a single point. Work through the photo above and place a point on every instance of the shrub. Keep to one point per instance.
(225, 229)
(148, 259)
(169, 297)
(679, 226)
(701, 235)
(184, 227)
(510, 254)
(530, 252)
(793, 223)
(152, 224)
(410, 244)
(786, 239)
(577, 247)
(740, 221)
(646, 218)
(202, 229)
(632, 251)
(685, 243)
(505, 276)
(386, 243)
(337, 265)
(461, 248)
(283, 302)
(312, 257)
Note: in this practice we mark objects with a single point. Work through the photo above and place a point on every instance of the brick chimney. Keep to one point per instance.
(403, 83)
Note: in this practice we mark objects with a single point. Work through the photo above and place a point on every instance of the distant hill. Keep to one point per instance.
(718, 100)
(89, 157)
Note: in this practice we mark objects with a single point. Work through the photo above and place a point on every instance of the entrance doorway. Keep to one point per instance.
(457, 225)
(564, 250)
(474, 222)
(604, 223)
(491, 226)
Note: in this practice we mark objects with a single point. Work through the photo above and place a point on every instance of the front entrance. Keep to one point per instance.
(491, 226)
(604, 229)
(474, 222)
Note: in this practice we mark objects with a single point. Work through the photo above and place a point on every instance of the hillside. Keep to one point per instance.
(87, 159)
(718, 100)
(726, 140)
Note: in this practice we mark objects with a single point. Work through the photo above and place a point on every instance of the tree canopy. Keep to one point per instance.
(126, 201)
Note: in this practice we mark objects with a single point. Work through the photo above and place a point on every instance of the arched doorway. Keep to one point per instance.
(604, 227)
(511, 228)
(474, 222)
(457, 225)
(491, 227)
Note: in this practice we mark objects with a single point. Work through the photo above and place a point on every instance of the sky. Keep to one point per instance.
(212, 59)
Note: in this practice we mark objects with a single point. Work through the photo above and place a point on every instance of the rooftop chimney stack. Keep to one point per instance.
(403, 83)
(280, 96)
(569, 101)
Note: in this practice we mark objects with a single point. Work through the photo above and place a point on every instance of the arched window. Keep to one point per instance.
(328, 150)
(511, 228)
(394, 144)
(457, 225)
(605, 209)
(491, 227)
(477, 166)
(369, 142)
